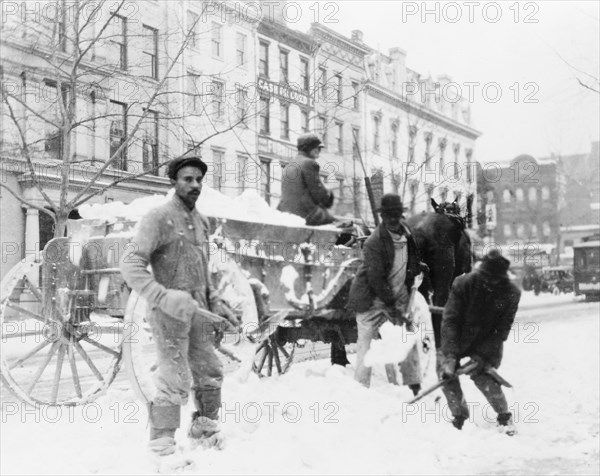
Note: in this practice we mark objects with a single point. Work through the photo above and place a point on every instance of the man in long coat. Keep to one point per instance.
(381, 287)
(477, 320)
(302, 190)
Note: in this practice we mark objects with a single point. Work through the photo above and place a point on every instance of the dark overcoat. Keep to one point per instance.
(371, 279)
(479, 315)
(303, 192)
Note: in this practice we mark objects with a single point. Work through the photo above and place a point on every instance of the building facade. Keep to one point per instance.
(95, 117)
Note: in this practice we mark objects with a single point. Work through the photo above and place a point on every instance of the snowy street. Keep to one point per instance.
(316, 419)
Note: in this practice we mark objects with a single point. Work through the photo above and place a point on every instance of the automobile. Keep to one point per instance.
(557, 279)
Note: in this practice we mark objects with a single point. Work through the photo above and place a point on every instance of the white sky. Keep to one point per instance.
(566, 117)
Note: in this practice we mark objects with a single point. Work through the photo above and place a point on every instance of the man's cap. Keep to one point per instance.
(391, 202)
(309, 141)
(494, 263)
(185, 161)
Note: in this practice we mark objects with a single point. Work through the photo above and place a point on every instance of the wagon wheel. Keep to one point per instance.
(139, 353)
(54, 352)
(273, 353)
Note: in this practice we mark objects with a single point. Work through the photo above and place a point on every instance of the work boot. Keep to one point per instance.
(458, 422)
(506, 424)
(205, 429)
(416, 388)
(164, 421)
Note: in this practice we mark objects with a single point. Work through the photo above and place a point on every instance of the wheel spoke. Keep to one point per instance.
(34, 351)
(263, 357)
(59, 364)
(74, 373)
(276, 357)
(101, 346)
(88, 361)
(42, 367)
(289, 357)
(269, 361)
(283, 351)
(27, 312)
(33, 288)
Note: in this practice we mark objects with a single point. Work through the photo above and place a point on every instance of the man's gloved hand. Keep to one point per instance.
(221, 308)
(448, 369)
(178, 304)
(481, 364)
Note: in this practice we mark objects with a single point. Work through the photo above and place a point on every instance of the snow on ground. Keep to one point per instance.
(317, 420)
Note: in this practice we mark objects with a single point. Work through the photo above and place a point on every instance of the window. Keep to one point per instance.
(469, 155)
(192, 22)
(355, 97)
(339, 139)
(218, 103)
(117, 115)
(150, 142)
(265, 116)
(241, 49)
(412, 134)
(519, 194)
(545, 193)
(194, 98)
(217, 156)
(532, 194)
(442, 143)
(355, 142)
(376, 124)
(263, 59)
(284, 72)
(304, 121)
(546, 228)
(304, 75)
(507, 230)
(151, 51)
(506, 196)
(117, 31)
(521, 230)
(428, 136)
(265, 179)
(323, 83)
(216, 47)
(242, 104)
(284, 112)
(323, 130)
(394, 143)
(61, 16)
(534, 230)
(340, 91)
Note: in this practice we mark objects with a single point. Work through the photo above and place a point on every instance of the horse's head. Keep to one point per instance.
(450, 210)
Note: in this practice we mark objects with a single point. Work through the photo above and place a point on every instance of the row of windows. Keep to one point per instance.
(519, 194)
(522, 230)
(117, 136)
(118, 35)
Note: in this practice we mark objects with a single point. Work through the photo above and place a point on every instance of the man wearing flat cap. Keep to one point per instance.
(380, 289)
(173, 240)
(477, 320)
(302, 190)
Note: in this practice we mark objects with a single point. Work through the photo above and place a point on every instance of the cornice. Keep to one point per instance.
(394, 99)
(341, 41)
(292, 38)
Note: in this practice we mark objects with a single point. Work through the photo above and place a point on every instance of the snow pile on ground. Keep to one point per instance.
(528, 298)
(317, 420)
(248, 206)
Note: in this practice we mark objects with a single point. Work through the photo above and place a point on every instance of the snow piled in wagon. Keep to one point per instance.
(248, 206)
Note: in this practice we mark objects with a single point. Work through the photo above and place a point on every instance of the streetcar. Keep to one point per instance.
(586, 267)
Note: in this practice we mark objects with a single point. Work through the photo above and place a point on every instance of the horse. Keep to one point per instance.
(445, 247)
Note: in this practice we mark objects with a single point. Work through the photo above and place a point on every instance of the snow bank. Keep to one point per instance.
(248, 206)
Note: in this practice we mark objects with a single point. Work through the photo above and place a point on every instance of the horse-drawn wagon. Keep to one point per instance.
(68, 318)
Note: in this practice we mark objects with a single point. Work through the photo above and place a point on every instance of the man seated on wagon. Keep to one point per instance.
(303, 193)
